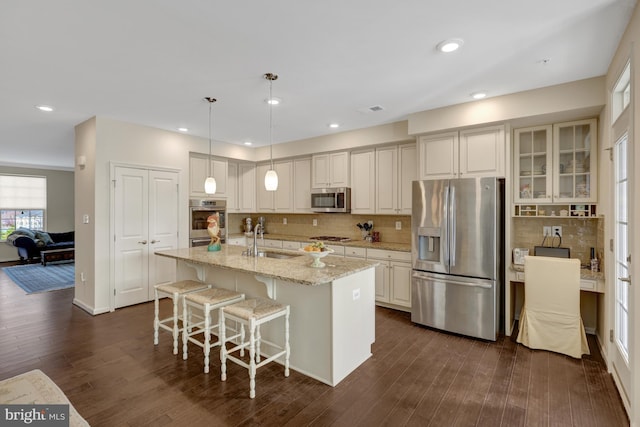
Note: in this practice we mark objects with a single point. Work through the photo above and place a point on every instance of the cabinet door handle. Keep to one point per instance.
(144, 242)
(625, 279)
(154, 241)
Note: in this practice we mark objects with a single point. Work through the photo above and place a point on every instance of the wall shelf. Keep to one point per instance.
(555, 210)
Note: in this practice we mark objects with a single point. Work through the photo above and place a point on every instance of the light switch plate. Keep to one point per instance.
(315, 222)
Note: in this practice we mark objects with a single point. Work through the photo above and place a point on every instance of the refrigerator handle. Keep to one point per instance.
(423, 276)
(452, 235)
(444, 245)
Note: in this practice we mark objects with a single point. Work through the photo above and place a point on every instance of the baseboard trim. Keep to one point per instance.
(603, 352)
(394, 306)
(89, 309)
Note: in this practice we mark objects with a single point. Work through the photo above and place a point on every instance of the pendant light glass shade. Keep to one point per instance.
(271, 180)
(210, 184)
(271, 177)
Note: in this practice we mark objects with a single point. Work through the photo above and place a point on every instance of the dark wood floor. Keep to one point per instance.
(112, 373)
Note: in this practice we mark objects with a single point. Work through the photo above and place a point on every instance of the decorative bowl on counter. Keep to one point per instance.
(316, 256)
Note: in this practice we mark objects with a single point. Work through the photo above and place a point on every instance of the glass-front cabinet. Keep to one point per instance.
(556, 164)
(575, 161)
(533, 165)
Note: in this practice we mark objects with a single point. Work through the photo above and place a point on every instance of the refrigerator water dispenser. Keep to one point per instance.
(429, 244)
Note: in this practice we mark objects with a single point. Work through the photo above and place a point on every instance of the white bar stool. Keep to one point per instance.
(206, 300)
(174, 291)
(253, 313)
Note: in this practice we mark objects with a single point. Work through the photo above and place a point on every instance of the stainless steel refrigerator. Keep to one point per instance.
(457, 245)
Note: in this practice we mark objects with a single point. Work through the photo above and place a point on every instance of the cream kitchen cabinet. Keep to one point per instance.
(199, 171)
(269, 243)
(294, 246)
(283, 196)
(241, 187)
(556, 163)
(575, 161)
(393, 277)
(302, 185)
(354, 252)
(237, 241)
(280, 200)
(461, 154)
(363, 185)
(532, 164)
(396, 168)
(264, 198)
(330, 170)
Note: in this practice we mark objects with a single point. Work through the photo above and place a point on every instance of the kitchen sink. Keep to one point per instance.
(278, 255)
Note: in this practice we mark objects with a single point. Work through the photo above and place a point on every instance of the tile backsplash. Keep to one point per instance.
(329, 224)
(579, 235)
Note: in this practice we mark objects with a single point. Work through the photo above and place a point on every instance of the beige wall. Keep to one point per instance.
(554, 103)
(60, 196)
(579, 235)
(105, 143)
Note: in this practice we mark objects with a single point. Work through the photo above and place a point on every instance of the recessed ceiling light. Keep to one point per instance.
(45, 108)
(450, 45)
(273, 101)
(478, 95)
(334, 125)
(248, 143)
(183, 129)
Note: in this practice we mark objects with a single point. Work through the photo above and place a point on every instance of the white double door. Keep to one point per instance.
(145, 221)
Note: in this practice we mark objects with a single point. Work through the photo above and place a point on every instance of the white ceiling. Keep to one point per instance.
(152, 62)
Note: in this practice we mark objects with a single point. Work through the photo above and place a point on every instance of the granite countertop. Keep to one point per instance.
(295, 269)
(402, 247)
(584, 273)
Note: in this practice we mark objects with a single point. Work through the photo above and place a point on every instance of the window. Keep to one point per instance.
(621, 96)
(23, 203)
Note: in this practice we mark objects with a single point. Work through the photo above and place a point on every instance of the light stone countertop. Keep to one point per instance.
(584, 273)
(295, 269)
(402, 247)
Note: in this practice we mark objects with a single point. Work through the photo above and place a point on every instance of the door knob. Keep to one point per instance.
(144, 242)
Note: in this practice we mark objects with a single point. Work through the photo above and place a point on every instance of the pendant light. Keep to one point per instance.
(271, 177)
(210, 183)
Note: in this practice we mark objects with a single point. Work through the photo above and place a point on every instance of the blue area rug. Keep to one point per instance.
(35, 278)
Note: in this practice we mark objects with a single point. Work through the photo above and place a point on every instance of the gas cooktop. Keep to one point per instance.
(331, 238)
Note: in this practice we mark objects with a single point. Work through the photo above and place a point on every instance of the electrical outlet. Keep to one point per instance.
(398, 225)
(284, 221)
(315, 222)
(556, 230)
(356, 294)
(546, 230)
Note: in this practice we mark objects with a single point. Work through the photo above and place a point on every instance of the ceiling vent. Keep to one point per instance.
(375, 108)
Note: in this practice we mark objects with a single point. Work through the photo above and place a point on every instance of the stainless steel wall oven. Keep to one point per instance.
(199, 211)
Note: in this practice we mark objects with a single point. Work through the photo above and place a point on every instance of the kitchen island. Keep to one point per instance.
(332, 322)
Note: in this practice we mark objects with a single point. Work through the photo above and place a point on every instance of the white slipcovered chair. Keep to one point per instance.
(550, 317)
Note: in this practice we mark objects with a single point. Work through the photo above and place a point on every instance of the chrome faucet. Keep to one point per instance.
(253, 251)
(256, 229)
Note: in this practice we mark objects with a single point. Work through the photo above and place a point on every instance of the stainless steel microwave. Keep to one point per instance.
(331, 200)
